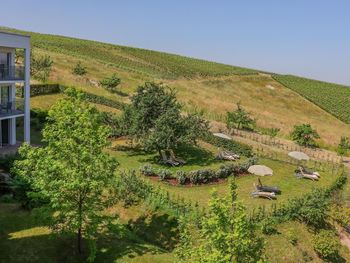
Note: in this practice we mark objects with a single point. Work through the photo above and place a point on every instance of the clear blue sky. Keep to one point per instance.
(303, 37)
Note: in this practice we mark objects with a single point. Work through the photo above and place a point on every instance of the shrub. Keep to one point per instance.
(268, 226)
(181, 177)
(326, 245)
(240, 119)
(40, 89)
(292, 236)
(147, 170)
(164, 174)
(79, 69)
(6, 161)
(111, 83)
(304, 135)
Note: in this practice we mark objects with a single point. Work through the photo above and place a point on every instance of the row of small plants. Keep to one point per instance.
(200, 176)
(230, 145)
(40, 89)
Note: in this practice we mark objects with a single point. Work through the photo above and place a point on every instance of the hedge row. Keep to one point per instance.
(201, 176)
(93, 98)
(230, 145)
(40, 89)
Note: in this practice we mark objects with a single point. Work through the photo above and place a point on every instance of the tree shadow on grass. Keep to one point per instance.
(158, 229)
(194, 155)
(22, 239)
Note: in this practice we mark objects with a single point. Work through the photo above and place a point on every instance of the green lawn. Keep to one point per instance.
(24, 239)
(204, 157)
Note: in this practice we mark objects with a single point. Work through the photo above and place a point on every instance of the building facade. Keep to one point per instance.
(14, 75)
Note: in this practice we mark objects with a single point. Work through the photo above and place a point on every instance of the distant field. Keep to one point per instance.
(331, 97)
(153, 63)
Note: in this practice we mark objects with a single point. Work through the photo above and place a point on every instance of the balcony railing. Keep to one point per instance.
(11, 107)
(11, 73)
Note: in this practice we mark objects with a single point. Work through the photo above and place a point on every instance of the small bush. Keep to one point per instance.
(268, 227)
(111, 83)
(147, 170)
(181, 177)
(79, 70)
(292, 236)
(326, 245)
(164, 174)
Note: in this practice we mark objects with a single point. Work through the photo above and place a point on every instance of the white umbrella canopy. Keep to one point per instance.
(299, 156)
(222, 135)
(261, 170)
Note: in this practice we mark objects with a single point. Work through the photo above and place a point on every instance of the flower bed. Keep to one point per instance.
(201, 176)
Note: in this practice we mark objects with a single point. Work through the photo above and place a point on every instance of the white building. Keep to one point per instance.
(12, 74)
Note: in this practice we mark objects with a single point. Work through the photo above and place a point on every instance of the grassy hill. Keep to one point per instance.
(210, 87)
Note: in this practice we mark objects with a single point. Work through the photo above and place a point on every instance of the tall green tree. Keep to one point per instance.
(154, 118)
(72, 171)
(239, 119)
(41, 67)
(304, 135)
(225, 235)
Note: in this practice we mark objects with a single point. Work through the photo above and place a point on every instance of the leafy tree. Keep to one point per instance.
(72, 171)
(79, 69)
(304, 135)
(111, 83)
(239, 119)
(343, 146)
(225, 235)
(155, 119)
(40, 67)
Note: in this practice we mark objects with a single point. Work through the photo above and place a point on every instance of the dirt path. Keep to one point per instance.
(344, 239)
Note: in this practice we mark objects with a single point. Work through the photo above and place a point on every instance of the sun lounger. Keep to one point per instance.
(300, 174)
(262, 194)
(176, 159)
(264, 188)
(308, 171)
(167, 161)
(224, 155)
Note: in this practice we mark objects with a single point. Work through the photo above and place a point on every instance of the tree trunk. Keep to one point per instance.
(79, 240)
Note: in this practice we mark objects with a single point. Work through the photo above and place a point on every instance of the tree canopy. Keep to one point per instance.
(72, 171)
(239, 119)
(225, 234)
(304, 135)
(154, 118)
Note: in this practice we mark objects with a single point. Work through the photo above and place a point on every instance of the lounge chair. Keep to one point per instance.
(264, 188)
(167, 161)
(262, 194)
(301, 174)
(225, 155)
(176, 159)
(308, 171)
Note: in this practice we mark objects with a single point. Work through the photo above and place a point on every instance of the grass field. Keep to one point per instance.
(204, 157)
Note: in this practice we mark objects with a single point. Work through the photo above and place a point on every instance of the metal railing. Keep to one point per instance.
(11, 107)
(11, 73)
